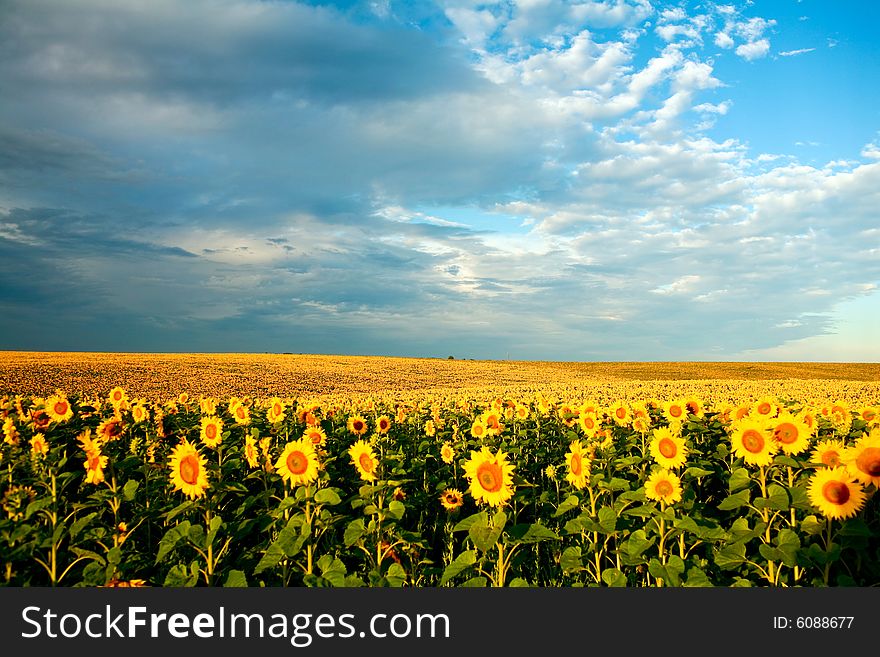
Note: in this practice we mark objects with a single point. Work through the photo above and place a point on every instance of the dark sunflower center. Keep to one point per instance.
(366, 462)
(668, 448)
(297, 463)
(836, 492)
(189, 469)
(489, 476)
(786, 433)
(869, 461)
(753, 441)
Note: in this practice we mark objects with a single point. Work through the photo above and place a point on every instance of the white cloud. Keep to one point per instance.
(871, 151)
(800, 51)
(753, 49)
(723, 40)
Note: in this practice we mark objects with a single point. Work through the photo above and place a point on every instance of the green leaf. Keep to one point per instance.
(696, 472)
(465, 524)
(788, 543)
(534, 533)
(697, 577)
(519, 583)
(37, 505)
(80, 524)
(782, 459)
(607, 520)
(734, 501)
(634, 547)
(570, 502)
(675, 569)
(739, 478)
(396, 575)
(777, 499)
(396, 509)
(180, 576)
(176, 511)
(731, 556)
(235, 579)
(571, 559)
(353, 532)
(332, 569)
(855, 527)
(475, 582)
(613, 577)
(171, 538)
(130, 488)
(770, 553)
(327, 496)
(462, 562)
(812, 526)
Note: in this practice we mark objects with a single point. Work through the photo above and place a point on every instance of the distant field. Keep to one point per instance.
(221, 375)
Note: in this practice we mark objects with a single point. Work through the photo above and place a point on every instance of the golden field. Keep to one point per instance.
(256, 375)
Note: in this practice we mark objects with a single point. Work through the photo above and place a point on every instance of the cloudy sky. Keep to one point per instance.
(537, 179)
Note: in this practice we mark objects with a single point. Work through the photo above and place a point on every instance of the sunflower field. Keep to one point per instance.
(439, 490)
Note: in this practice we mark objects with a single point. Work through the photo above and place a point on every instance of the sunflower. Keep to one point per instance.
(357, 425)
(694, 406)
(183, 398)
(841, 418)
(766, 407)
(620, 413)
(663, 486)
(430, 430)
(753, 442)
(835, 493)
(869, 414)
(240, 413)
(829, 453)
(110, 429)
(117, 397)
(10, 433)
(451, 499)
(862, 460)
(478, 429)
(674, 410)
(490, 476)
(447, 453)
(58, 408)
(298, 463)
(315, 435)
(588, 424)
(383, 424)
(188, 470)
(94, 464)
(364, 460)
(792, 435)
(208, 406)
(667, 448)
(521, 412)
(275, 414)
(401, 415)
(39, 446)
(492, 421)
(139, 413)
(251, 453)
(212, 431)
(578, 465)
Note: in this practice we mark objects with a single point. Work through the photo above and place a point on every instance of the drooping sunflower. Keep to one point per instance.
(451, 499)
(447, 453)
(315, 435)
(383, 424)
(490, 477)
(298, 463)
(694, 406)
(829, 453)
(578, 465)
(663, 486)
(275, 414)
(10, 433)
(212, 431)
(792, 435)
(251, 452)
(862, 460)
(836, 493)
(189, 472)
(58, 408)
(364, 460)
(752, 441)
(674, 410)
(110, 429)
(668, 449)
(357, 425)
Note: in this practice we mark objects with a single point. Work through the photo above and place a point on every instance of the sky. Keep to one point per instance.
(533, 180)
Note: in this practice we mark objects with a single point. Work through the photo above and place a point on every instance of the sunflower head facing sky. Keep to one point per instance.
(828, 453)
(451, 499)
(791, 435)
(211, 431)
(863, 459)
(490, 476)
(357, 425)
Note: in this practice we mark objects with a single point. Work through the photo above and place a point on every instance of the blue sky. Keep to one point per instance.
(614, 180)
